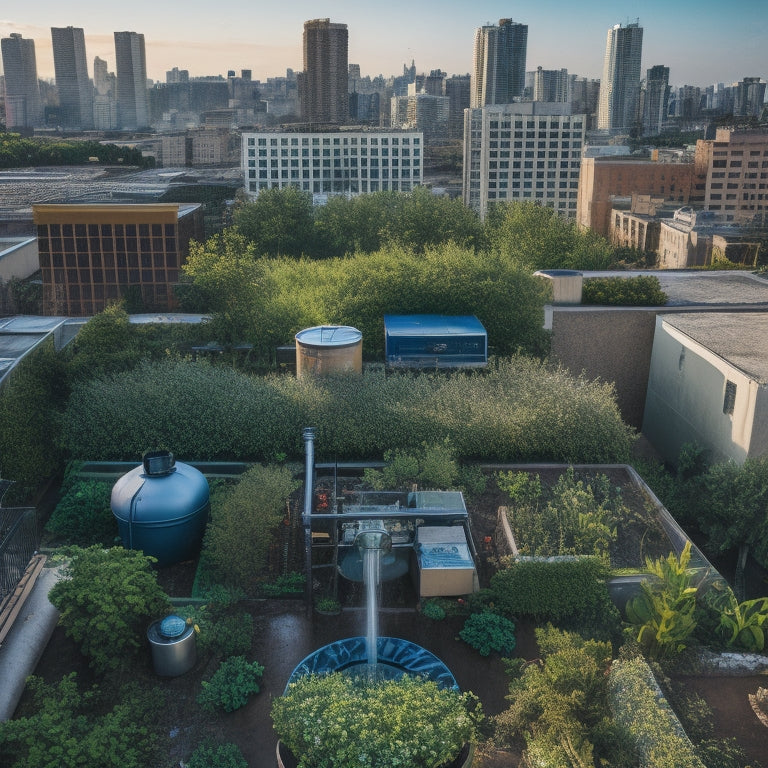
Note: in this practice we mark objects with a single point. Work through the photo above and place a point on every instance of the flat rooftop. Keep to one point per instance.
(691, 288)
(741, 338)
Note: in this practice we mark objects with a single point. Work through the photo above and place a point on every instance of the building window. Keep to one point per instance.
(729, 398)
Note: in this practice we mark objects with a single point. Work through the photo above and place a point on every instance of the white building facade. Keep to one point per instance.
(526, 151)
(333, 163)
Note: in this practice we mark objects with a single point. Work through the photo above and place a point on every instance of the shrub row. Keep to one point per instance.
(642, 291)
(551, 589)
(517, 410)
(637, 703)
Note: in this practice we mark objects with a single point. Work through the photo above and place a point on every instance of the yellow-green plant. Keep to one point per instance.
(663, 612)
(742, 623)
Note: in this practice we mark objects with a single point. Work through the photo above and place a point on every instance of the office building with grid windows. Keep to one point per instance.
(526, 151)
(333, 163)
(94, 254)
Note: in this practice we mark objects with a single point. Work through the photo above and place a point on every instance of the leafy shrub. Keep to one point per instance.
(550, 590)
(242, 526)
(32, 401)
(210, 755)
(107, 597)
(83, 515)
(516, 410)
(70, 728)
(232, 635)
(285, 584)
(338, 721)
(432, 466)
(433, 610)
(487, 632)
(663, 614)
(642, 291)
(636, 703)
(231, 685)
(559, 706)
(576, 517)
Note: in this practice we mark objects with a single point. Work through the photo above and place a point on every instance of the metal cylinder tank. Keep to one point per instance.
(328, 348)
(162, 508)
(174, 650)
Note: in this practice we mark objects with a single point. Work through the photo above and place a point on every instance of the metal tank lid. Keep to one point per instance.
(329, 336)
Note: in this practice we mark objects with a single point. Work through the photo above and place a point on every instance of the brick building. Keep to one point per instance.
(93, 254)
(604, 179)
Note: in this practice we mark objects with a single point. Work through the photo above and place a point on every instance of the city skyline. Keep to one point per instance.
(701, 42)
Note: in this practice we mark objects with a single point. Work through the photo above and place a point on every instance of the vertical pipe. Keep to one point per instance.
(309, 472)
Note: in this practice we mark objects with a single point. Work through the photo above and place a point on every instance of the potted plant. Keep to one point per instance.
(339, 720)
(328, 606)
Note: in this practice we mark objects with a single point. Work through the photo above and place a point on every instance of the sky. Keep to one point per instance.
(701, 41)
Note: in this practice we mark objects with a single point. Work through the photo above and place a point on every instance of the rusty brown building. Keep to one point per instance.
(94, 254)
(603, 180)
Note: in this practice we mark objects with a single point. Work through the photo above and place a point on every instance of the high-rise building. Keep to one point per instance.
(333, 163)
(526, 151)
(620, 84)
(324, 83)
(132, 99)
(688, 104)
(551, 85)
(457, 89)
(656, 105)
(749, 97)
(72, 81)
(498, 74)
(23, 103)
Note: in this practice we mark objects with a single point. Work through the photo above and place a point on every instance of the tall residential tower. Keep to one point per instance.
(323, 85)
(132, 99)
(620, 84)
(656, 100)
(72, 81)
(498, 73)
(23, 103)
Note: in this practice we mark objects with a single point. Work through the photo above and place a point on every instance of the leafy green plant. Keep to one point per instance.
(575, 517)
(741, 624)
(337, 720)
(433, 466)
(328, 605)
(642, 291)
(212, 755)
(83, 515)
(560, 705)
(242, 526)
(70, 728)
(488, 632)
(107, 598)
(550, 590)
(663, 614)
(285, 584)
(231, 685)
(433, 610)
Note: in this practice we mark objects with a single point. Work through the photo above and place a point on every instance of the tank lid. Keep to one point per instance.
(158, 463)
(329, 336)
(172, 626)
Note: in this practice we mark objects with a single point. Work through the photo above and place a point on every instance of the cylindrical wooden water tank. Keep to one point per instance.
(327, 349)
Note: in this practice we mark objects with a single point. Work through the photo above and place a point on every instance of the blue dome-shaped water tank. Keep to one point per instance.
(162, 508)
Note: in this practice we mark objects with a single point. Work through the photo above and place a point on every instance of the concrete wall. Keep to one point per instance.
(613, 345)
(686, 389)
(18, 258)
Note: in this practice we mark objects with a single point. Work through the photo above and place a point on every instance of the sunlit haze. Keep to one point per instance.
(701, 42)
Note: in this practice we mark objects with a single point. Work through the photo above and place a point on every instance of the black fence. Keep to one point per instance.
(18, 543)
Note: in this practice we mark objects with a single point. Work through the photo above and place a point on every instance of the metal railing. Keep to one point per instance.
(18, 543)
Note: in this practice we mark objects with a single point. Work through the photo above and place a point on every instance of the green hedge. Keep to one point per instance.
(637, 703)
(517, 410)
(551, 589)
(642, 291)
